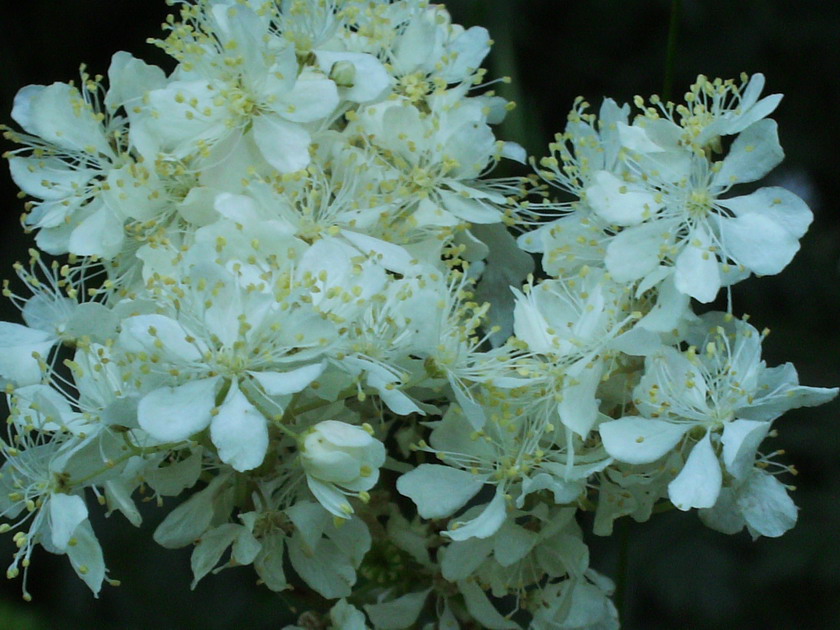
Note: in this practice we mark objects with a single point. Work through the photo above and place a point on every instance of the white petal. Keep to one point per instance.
(198, 206)
(613, 201)
(473, 412)
(92, 319)
(466, 52)
(634, 252)
(371, 79)
(42, 407)
(782, 384)
(469, 209)
(158, 334)
(749, 96)
(59, 115)
(636, 139)
(54, 240)
(17, 344)
(291, 382)
(129, 79)
(22, 107)
(724, 516)
(172, 414)
(47, 312)
(485, 524)
(187, 113)
(391, 256)
(415, 45)
(314, 97)
(240, 432)
(672, 306)
(397, 401)
(284, 145)
(698, 484)
(676, 377)
(470, 146)
(48, 178)
(330, 497)
(638, 440)
(100, 234)
(67, 511)
(755, 152)
(766, 506)
(529, 324)
(697, 272)
(86, 557)
(514, 151)
(758, 243)
(439, 491)
(118, 497)
(765, 233)
(579, 407)
(740, 441)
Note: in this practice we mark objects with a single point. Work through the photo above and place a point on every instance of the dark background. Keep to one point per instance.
(680, 574)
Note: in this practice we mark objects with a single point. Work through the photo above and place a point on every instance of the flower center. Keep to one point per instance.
(699, 203)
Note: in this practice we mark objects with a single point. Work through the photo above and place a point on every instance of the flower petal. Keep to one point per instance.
(613, 201)
(439, 491)
(697, 272)
(764, 234)
(17, 346)
(740, 441)
(755, 152)
(67, 511)
(240, 432)
(485, 524)
(638, 440)
(766, 505)
(698, 484)
(284, 145)
(291, 382)
(172, 414)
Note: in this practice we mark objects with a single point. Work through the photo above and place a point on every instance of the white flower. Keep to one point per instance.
(654, 198)
(719, 382)
(435, 160)
(53, 314)
(235, 75)
(338, 456)
(72, 146)
(33, 489)
(430, 52)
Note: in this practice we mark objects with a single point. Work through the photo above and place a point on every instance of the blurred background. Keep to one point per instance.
(680, 575)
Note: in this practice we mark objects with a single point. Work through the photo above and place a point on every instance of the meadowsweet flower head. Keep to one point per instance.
(292, 302)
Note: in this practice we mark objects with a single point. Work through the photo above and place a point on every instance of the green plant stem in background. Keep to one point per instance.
(623, 571)
(523, 123)
(671, 54)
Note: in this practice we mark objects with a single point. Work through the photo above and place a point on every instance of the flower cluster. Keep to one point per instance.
(289, 295)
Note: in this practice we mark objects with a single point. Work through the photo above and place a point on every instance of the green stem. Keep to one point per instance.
(671, 57)
(623, 568)
(134, 451)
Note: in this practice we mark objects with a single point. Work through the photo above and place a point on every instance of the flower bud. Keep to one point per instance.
(343, 454)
